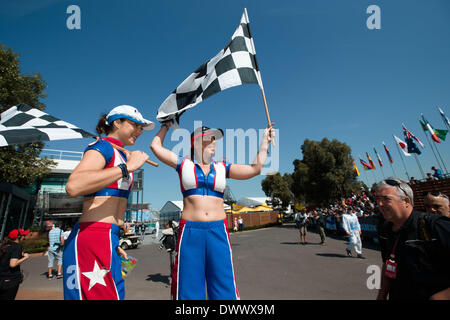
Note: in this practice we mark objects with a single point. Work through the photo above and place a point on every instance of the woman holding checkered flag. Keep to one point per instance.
(204, 266)
(91, 263)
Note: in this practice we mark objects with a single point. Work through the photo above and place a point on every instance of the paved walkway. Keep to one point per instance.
(269, 264)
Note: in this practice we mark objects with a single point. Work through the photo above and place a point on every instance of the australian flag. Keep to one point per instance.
(412, 147)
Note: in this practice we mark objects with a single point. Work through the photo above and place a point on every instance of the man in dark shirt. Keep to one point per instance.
(415, 246)
(11, 257)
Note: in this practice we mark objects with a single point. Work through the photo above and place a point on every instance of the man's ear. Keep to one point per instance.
(408, 201)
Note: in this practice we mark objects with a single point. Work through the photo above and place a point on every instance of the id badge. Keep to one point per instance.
(391, 269)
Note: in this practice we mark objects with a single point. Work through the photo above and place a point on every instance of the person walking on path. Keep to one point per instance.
(11, 257)
(320, 217)
(241, 223)
(301, 220)
(352, 227)
(55, 250)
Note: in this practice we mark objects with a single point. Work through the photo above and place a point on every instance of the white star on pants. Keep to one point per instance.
(96, 276)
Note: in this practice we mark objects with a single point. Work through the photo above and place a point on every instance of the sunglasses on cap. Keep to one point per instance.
(395, 183)
(434, 194)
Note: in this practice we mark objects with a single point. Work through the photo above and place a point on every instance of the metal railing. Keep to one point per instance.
(61, 154)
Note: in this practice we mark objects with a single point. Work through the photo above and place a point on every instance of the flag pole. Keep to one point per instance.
(258, 73)
(382, 172)
(379, 162)
(432, 148)
(446, 171)
(444, 118)
(398, 149)
(392, 167)
(418, 164)
(128, 152)
(267, 113)
(389, 158)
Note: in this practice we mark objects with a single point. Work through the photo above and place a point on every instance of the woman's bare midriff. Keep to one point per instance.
(203, 208)
(104, 209)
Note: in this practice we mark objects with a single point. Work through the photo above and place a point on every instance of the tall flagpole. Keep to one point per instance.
(379, 162)
(392, 167)
(398, 149)
(444, 118)
(420, 167)
(446, 171)
(365, 172)
(258, 74)
(430, 128)
(432, 149)
(382, 171)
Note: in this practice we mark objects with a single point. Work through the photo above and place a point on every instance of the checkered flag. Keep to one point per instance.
(22, 124)
(234, 65)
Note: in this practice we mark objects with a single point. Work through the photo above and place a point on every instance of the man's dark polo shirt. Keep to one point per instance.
(423, 265)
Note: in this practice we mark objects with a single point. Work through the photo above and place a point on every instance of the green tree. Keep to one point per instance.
(325, 173)
(19, 163)
(278, 188)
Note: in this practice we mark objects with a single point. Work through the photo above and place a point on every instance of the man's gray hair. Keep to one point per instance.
(403, 188)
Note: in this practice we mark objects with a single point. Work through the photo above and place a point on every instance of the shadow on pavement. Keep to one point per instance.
(298, 243)
(158, 278)
(332, 255)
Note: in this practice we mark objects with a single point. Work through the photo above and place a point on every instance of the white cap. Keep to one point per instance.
(130, 113)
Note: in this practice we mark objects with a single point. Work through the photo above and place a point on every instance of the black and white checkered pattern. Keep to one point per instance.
(234, 65)
(23, 124)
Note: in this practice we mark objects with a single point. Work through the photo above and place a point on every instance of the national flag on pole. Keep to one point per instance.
(22, 124)
(234, 65)
(431, 130)
(370, 161)
(365, 165)
(402, 144)
(412, 148)
(378, 157)
(444, 118)
(409, 135)
(388, 153)
(440, 133)
(355, 168)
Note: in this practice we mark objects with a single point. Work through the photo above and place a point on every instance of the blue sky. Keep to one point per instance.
(325, 73)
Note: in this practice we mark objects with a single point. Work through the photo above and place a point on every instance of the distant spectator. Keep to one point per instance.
(320, 223)
(301, 220)
(413, 180)
(430, 177)
(352, 227)
(437, 202)
(55, 250)
(67, 232)
(241, 223)
(437, 173)
(11, 257)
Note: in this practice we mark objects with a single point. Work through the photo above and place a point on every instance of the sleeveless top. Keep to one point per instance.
(113, 157)
(193, 180)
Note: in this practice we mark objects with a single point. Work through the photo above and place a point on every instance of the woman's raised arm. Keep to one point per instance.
(164, 155)
(244, 172)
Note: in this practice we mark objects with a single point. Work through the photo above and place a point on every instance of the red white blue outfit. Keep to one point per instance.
(203, 267)
(91, 265)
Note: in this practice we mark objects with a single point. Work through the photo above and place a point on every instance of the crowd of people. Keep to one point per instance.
(436, 175)
(414, 245)
(397, 224)
(331, 218)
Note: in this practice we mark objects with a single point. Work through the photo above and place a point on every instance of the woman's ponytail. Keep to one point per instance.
(103, 126)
